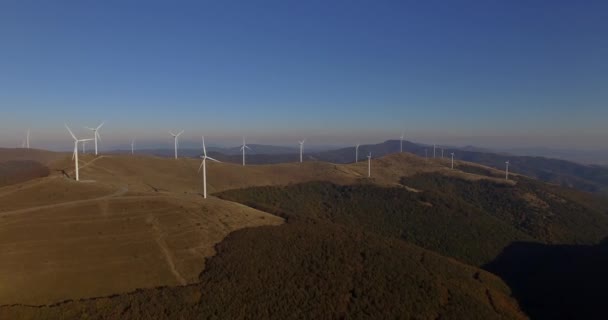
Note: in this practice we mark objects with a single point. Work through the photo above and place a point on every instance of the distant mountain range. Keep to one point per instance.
(592, 178)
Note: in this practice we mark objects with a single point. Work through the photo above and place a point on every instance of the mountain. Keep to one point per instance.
(592, 178)
(443, 213)
(308, 269)
(598, 157)
(136, 240)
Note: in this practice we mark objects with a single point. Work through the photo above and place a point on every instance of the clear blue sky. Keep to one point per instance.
(490, 73)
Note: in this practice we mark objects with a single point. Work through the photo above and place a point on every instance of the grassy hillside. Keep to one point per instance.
(308, 269)
(16, 171)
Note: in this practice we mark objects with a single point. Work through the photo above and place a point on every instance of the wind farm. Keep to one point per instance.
(303, 160)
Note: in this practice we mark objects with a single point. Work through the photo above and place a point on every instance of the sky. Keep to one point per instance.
(500, 74)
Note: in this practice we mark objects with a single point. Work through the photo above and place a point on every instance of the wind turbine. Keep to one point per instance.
(27, 139)
(357, 153)
(175, 135)
(507, 170)
(243, 147)
(75, 154)
(97, 136)
(204, 166)
(301, 148)
(369, 165)
(441, 153)
(452, 159)
(132, 146)
(401, 142)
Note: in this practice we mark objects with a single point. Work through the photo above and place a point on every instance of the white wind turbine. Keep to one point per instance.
(452, 159)
(301, 148)
(441, 153)
(175, 143)
(132, 146)
(369, 165)
(357, 153)
(75, 154)
(96, 133)
(401, 142)
(204, 166)
(507, 170)
(243, 147)
(27, 139)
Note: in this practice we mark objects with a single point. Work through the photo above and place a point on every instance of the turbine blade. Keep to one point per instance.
(101, 125)
(199, 167)
(204, 148)
(97, 135)
(247, 147)
(180, 133)
(212, 159)
(71, 133)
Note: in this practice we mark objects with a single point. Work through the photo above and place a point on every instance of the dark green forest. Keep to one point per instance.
(469, 220)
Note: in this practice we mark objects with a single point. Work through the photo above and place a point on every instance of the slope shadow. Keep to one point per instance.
(556, 281)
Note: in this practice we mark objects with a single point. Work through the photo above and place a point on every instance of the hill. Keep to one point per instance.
(15, 171)
(447, 214)
(105, 236)
(349, 242)
(592, 178)
(308, 269)
(423, 218)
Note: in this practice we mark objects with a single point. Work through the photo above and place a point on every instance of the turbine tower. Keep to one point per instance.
(357, 153)
(507, 170)
(401, 142)
(204, 166)
(369, 165)
(132, 146)
(452, 159)
(27, 139)
(301, 148)
(441, 153)
(75, 154)
(243, 147)
(96, 133)
(175, 143)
